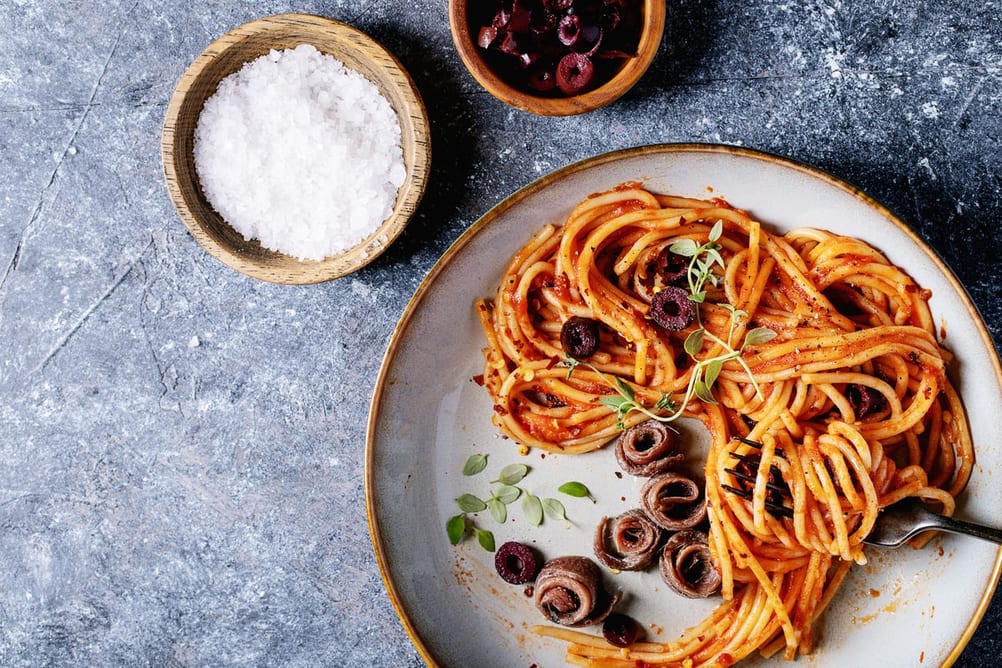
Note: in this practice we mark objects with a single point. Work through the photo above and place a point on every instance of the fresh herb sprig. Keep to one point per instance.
(702, 260)
(506, 490)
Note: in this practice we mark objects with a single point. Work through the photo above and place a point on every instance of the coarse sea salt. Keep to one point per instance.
(299, 152)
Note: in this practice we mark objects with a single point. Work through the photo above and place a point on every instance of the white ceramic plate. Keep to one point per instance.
(905, 607)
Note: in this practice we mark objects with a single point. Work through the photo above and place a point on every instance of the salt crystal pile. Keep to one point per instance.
(299, 152)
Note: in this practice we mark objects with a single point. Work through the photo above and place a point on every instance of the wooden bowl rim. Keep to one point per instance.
(276, 267)
(619, 85)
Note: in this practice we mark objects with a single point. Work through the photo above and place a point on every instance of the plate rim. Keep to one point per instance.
(541, 183)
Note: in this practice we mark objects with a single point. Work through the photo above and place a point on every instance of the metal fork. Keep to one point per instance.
(895, 525)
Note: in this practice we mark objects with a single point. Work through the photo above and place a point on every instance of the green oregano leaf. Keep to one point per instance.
(712, 370)
(507, 494)
(694, 342)
(486, 539)
(470, 504)
(475, 464)
(554, 509)
(456, 528)
(716, 230)
(759, 335)
(498, 510)
(684, 247)
(533, 509)
(625, 389)
(512, 474)
(576, 489)
(703, 392)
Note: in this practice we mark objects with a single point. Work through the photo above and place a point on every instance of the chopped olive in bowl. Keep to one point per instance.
(557, 57)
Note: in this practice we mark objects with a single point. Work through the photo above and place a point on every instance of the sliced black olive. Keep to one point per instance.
(542, 78)
(671, 309)
(574, 73)
(864, 399)
(516, 563)
(671, 267)
(620, 630)
(569, 30)
(579, 337)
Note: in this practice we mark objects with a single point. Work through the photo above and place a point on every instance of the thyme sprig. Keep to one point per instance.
(702, 260)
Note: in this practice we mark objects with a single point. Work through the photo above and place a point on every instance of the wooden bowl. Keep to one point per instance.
(464, 35)
(358, 52)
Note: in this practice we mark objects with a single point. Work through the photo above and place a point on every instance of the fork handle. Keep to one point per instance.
(971, 529)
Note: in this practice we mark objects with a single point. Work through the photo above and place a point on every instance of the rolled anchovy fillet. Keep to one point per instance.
(673, 501)
(647, 449)
(686, 565)
(628, 542)
(569, 591)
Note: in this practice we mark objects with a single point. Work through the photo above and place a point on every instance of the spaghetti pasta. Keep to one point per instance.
(848, 394)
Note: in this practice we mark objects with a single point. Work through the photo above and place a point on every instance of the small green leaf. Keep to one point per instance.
(475, 464)
(507, 494)
(698, 297)
(577, 489)
(694, 342)
(498, 510)
(716, 230)
(456, 528)
(512, 474)
(703, 392)
(486, 539)
(554, 509)
(684, 247)
(533, 509)
(625, 389)
(712, 370)
(759, 335)
(613, 402)
(470, 504)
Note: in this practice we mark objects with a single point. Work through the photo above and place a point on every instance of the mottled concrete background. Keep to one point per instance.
(183, 446)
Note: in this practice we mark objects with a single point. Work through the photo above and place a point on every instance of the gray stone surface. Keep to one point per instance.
(184, 446)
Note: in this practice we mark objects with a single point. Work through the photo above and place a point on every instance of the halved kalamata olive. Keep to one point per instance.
(569, 29)
(671, 309)
(647, 449)
(574, 73)
(620, 630)
(516, 563)
(687, 566)
(589, 39)
(579, 337)
(542, 78)
(864, 399)
(628, 542)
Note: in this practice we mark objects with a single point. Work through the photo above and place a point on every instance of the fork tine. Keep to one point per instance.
(747, 481)
(776, 510)
(754, 444)
(752, 478)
